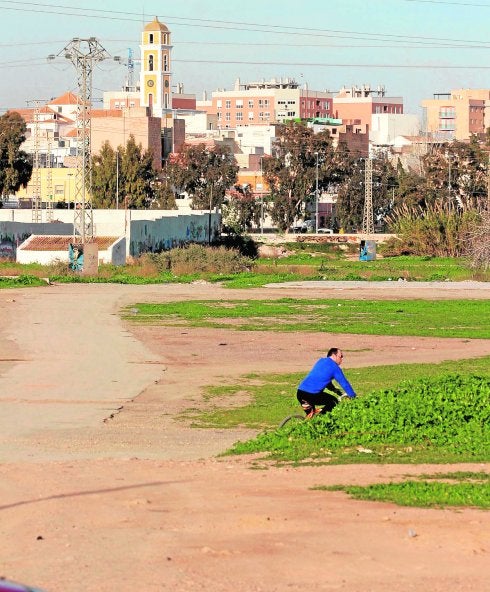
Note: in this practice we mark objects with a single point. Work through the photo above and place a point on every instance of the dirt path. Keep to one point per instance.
(101, 489)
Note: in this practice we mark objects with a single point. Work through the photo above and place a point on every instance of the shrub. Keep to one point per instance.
(449, 412)
(196, 258)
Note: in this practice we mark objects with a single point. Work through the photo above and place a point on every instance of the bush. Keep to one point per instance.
(448, 412)
(199, 258)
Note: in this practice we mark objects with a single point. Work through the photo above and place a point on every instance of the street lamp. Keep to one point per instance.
(117, 179)
(317, 196)
(448, 156)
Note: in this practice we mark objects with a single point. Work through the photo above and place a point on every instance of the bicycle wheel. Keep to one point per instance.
(295, 417)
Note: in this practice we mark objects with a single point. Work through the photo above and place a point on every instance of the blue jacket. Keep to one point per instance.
(323, 372)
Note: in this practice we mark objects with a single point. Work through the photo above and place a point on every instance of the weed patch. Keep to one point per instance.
(445, 417)
(427, 491)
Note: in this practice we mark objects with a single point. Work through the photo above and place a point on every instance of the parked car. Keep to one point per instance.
(303, 227)
(299, 229)
(8, 586)
(325, 231)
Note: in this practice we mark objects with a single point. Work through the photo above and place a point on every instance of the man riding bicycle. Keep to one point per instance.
(311, 391)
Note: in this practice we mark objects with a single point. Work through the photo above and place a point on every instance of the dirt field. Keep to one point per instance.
(102, 490)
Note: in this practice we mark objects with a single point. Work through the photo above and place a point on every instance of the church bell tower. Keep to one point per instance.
(156, 76)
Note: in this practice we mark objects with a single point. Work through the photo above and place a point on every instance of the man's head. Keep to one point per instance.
(336, 354)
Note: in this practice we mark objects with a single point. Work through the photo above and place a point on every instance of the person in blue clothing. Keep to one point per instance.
(312, 389)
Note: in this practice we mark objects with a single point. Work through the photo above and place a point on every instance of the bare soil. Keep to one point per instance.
(102, 489)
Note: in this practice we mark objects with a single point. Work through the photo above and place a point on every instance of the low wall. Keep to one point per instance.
(13, 234)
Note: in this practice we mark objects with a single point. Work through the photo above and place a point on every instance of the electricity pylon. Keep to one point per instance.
(368, 218)
(84, 54)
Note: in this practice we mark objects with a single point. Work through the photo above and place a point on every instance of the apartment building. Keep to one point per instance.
(458, 115)
(356, 105)
(265, 102)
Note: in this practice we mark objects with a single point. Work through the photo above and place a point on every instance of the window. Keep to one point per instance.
(219, 115)
(219, 103)
(239, 116)
(261, 103)
(266, 102)
(250, 103)
(150, 63)
(165, 63)
(227, 104)
(250, 115)
(239, 103)
(228, 116)
(267, 115)
(131, 104)
(151, 37)
(447, 112)
(59, 190)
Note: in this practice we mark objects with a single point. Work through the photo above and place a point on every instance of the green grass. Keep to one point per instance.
(438, 318)
(470, 489)
(267, 398)
(445, 418)
(261, 401)
(23, 281)
(307, 262)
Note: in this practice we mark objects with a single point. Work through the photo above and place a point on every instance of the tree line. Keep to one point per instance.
(451, 177)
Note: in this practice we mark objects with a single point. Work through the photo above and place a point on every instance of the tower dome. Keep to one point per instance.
(156, 25)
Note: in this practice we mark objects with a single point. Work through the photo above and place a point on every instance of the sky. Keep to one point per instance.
(414, 48)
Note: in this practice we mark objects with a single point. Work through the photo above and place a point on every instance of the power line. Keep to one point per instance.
(221, 24)
(25, 63)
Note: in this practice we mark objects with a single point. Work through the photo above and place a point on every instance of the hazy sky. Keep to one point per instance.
(415, 48)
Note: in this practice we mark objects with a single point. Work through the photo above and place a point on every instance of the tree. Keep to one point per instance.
(241, 210)
(135, 182)
(15, 164)
(291, 170)
(352, 190)
(456, 174)
(104, 177)
(138, 175)
(204, 174)
(164, 197)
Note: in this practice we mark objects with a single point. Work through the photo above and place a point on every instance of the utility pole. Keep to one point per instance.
(316, 195)
(368, 218)
(117, 179)
(84, 54)
(488, 183)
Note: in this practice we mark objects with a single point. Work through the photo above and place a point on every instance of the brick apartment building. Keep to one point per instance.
(458, 115)
(264, 102)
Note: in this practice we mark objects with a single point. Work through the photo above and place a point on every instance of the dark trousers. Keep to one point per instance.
(308, 401)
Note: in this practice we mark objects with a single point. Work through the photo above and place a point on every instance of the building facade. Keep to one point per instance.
(357, 105)
(266, 102)
(458, 115)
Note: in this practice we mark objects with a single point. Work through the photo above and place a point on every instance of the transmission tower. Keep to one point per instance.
(49, 179)
(84, 54)
(368, 219)
(36, 171)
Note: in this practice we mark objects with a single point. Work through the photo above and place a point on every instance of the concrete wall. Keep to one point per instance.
(166, 233)
(144, 230)
(12, 234)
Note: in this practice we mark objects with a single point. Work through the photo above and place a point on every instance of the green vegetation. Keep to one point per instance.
(445, 418)
(234, 266)
(23, 281)
(469, 489)
(439, 318)
(270, 397)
